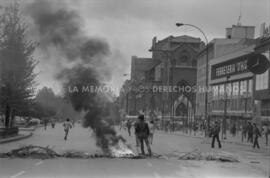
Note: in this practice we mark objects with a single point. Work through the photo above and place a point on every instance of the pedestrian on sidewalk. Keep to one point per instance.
(53, 123)
(215, 135)
(129, 127)
(152, 131)
(142, 131)
(195, 128)
(244, 132)
(67, 126)
(45, 124)
(257, 134)
(136, 135)
(233, 130)
(250, 133)
(266, 131)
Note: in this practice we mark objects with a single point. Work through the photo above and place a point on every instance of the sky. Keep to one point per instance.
(128, 26)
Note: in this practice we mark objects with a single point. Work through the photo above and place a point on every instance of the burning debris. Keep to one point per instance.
(121, 150)
(37, 152)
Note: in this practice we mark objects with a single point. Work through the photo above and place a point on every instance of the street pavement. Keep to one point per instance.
(252, 163)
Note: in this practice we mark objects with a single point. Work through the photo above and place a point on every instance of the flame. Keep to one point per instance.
(121, 150)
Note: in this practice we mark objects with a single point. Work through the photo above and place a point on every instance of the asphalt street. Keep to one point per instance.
(252, 163)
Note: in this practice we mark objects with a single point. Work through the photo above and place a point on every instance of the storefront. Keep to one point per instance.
(232, 90)
(262, 84)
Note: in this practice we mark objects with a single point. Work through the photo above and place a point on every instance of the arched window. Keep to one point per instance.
(182, 61)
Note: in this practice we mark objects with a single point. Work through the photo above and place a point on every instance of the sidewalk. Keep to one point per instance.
(230, 139)
(23, 134)
(15, 138)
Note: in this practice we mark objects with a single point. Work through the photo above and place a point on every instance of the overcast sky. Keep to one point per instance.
(129, 25)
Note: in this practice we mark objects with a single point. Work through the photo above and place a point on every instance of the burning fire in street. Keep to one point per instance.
(121, 150)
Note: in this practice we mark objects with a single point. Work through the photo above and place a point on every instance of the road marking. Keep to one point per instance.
(39, 163)
(18, 174)
(149, 164)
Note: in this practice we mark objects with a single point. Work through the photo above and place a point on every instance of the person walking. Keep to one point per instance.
(244, 132)
(250, 132)
(215, 135)
(67, 126)
(53, 123)
(257, 134)
(129, 124)
(142, 131)
(135, 125)
(266, 131)
(45, 124)
(152, 131)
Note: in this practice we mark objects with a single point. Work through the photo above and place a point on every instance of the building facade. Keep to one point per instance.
(173, 67)
(237, 38)
(262, 81)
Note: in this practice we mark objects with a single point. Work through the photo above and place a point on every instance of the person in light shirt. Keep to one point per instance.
(151, 131)
(67, 126)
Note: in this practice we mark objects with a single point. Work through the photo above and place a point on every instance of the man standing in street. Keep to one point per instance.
(215, 135)
(266, 131)
(67, 125)
(250, 133)
(152, 131)
(129, 127)
(142, 132)
(257, 134)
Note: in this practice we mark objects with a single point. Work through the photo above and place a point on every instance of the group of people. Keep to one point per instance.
(252, 132)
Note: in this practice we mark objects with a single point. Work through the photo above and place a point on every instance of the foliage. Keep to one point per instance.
(16, 63)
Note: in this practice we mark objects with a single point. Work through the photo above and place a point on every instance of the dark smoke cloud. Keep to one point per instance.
(59, 28)
(93, 104)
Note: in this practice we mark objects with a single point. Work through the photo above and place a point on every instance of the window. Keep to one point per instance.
(262, 81)
(228, 89)
(235, 89)
(221, 91)
(182, 61)
(243, 88)
(250, 87)
(215, 92)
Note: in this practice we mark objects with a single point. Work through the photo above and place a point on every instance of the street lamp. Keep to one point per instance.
(206, 75)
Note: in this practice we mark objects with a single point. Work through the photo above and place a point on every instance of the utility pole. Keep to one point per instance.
(225, 108)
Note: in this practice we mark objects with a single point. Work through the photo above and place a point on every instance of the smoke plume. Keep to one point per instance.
(59, 32)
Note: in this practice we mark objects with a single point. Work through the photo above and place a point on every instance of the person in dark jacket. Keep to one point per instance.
(142, 132)
(250, 133)
(257, 134)
(215, 135)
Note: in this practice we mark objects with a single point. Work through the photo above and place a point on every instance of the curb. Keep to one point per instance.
(27, 129)
(16, 138)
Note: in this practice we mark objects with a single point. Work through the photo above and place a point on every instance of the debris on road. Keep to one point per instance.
(208, 156)
(38, 152)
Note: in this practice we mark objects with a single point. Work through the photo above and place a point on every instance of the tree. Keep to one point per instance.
(16, 64)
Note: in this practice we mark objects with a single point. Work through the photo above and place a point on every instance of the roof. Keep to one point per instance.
(143, 64)
(175, 39)
(241, 52)
(228, 41)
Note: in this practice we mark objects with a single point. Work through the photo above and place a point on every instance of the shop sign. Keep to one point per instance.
(231, 67)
